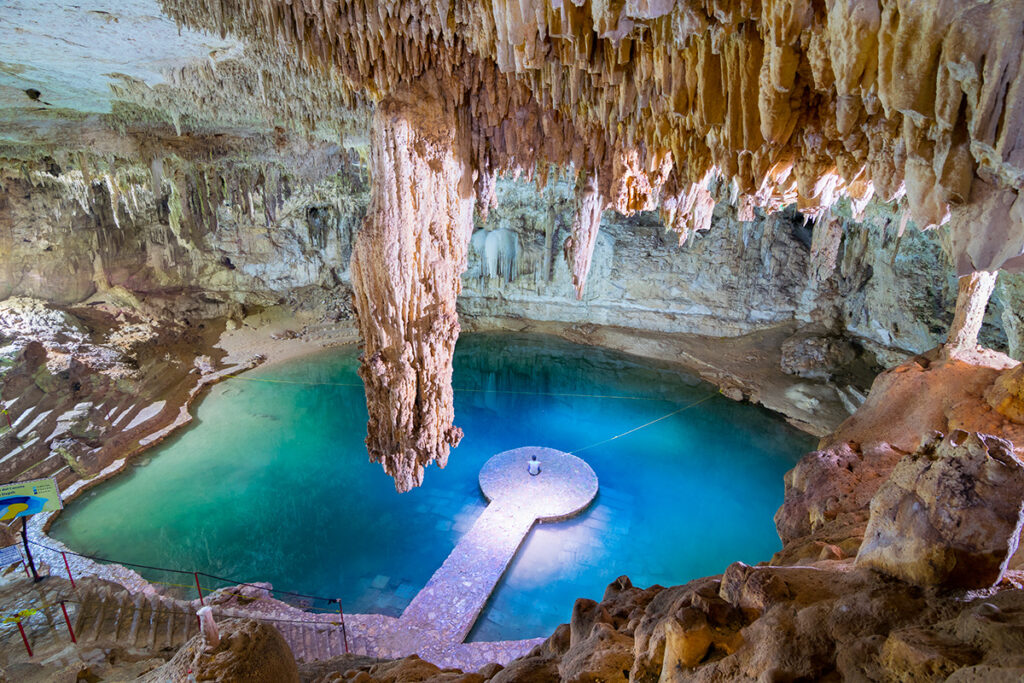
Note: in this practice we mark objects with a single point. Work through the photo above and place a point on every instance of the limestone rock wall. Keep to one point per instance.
(893, 292)
(65, 237)
(879, 280)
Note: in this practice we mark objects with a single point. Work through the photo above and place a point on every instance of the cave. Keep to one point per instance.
(647, 340)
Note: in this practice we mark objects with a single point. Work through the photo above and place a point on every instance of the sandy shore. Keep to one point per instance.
(277, 335)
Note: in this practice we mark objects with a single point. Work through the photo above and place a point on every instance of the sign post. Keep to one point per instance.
(25, 498)
(28, 553)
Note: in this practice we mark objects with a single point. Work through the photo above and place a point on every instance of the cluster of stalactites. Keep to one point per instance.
(260, 84)
(791, 101)
(197, 194)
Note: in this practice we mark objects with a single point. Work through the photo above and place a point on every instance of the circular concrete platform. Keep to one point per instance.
(564, 487)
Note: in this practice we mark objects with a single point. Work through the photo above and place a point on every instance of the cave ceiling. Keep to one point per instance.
(792, 101)
(789, 101)
(651, 104)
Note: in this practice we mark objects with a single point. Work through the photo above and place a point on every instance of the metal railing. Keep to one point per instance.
(194, 585)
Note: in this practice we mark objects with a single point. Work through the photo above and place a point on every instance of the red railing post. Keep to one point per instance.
(25, 567)
(68, 567)
(344, 633)
(24, 637)
(67, 620)
(199, 588)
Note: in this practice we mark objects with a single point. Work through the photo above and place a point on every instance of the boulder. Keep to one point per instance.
(949, 515)
(1006, 395)
(752, 589)
(832, 483)
(249, 652)
(606, 656)
(917, 654)
(530, 669)
(687, 641)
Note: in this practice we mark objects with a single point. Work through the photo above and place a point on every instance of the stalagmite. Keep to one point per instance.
(972, 298)
(406, 264)
(579, 246)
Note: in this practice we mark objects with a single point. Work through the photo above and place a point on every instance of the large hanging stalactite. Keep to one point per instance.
(406, 264)
(579, 246)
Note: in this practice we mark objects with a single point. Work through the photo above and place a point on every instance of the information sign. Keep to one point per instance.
(9, 555)
(25, 498)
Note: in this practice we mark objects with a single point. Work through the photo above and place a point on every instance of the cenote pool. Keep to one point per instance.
(271, 483)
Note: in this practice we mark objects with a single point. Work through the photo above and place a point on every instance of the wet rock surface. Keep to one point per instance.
(82, 387)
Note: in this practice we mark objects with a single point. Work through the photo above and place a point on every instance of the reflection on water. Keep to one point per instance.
(272, 483)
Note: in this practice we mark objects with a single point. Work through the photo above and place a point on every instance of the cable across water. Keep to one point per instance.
(456, 389)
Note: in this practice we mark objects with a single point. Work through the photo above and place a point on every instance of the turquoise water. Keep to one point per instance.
(271, 483)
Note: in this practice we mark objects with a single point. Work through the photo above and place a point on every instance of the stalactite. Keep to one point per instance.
(406, 264)
(550, 225)
(794, 101)
(579, 245)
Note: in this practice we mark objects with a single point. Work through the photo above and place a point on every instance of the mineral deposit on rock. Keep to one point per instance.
(949, 515)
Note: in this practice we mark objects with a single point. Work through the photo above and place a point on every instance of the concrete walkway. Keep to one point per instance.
(455, 595)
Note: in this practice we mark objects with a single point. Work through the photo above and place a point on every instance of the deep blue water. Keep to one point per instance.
(272, 483)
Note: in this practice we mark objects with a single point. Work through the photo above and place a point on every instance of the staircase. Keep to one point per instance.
(135, 621)
(312, 641)
(105, 613)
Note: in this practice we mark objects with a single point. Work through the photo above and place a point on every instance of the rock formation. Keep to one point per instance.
(788, 100)
(249, 652)
(82, 389)
(949, 515)
(579, 245)
(406, 265)
(972, 300)
(827, 498)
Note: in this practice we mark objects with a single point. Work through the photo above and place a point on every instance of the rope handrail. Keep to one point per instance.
(233, 582)
(646, 424)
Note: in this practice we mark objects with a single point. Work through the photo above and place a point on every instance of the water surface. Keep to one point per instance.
(271, 483)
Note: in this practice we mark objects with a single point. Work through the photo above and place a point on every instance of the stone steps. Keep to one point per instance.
(110, 615)
(309, 641)
(148, 622)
